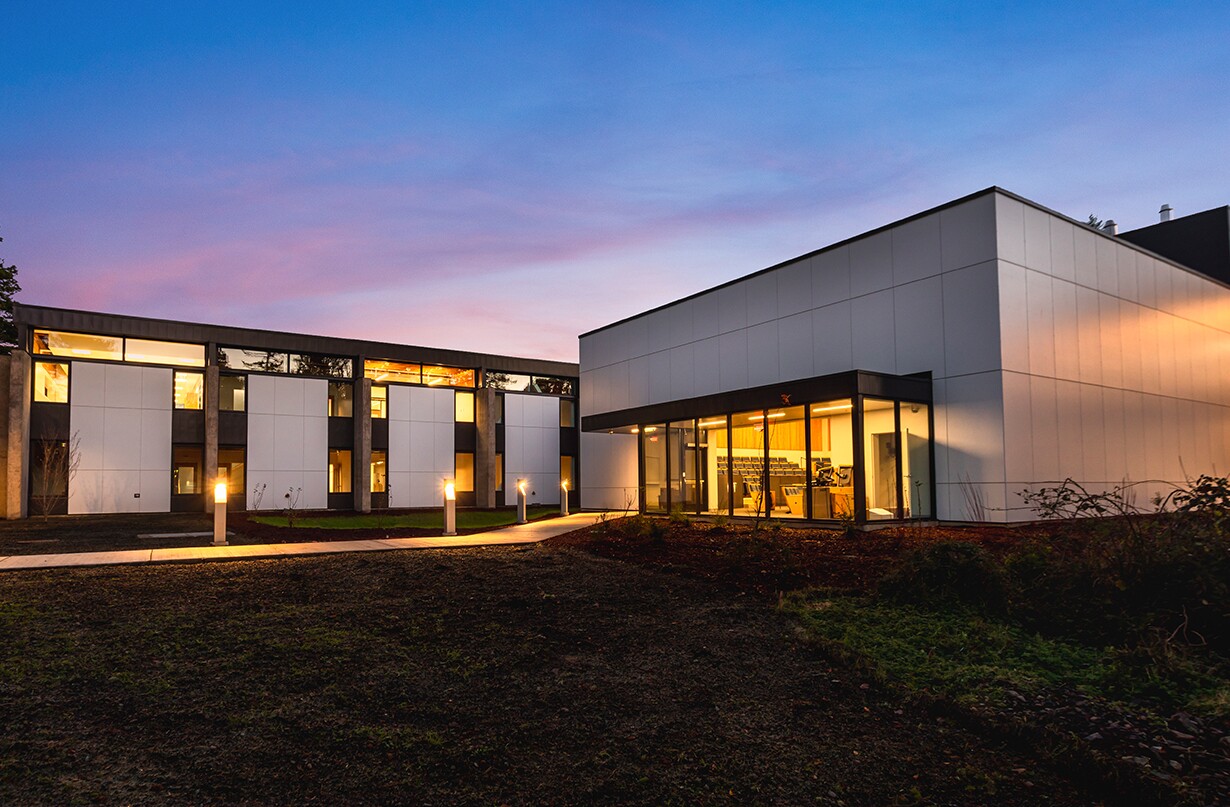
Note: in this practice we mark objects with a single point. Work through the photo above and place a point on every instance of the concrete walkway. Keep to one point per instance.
(530, 533)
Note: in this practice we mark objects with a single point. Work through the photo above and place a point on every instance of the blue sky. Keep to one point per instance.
(502, 178)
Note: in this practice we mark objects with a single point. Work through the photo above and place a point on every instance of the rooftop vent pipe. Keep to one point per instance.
(1110, 227)
(1165, 212)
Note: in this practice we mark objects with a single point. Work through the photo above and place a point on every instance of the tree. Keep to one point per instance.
(8, 287)
(55, 466)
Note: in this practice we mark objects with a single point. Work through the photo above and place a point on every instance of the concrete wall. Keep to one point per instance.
(421, 452)
(122, 416)
(288, 441)
(531, 446)
(1115, 364)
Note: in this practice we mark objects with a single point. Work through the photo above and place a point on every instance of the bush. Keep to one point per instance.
(945, 574)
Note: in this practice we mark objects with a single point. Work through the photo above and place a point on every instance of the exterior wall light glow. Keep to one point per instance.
(521, 486)
(563, 497)
(220, 511)
(450, 507)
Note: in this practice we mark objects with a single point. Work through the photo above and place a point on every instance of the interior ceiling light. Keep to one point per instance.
(838, 408)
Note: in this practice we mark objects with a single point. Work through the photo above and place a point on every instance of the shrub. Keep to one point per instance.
(945, 574)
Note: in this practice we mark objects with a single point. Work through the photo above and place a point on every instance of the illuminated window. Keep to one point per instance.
(380, 401)
(186, 474)
(567, 413)
(380, 471)
(50, 382)
(146, 351)
(232, 393)
(309, 364)
(513, 382)
(231, 465)
(380, 370)
(189, 390)
(78, 345)
(499, 471)
(565, 472)
(499, 408)
(435, 376)
(880, 450)
(261, 361)
(339, 470)
(464, 478)
(463, 407)
(341, 400)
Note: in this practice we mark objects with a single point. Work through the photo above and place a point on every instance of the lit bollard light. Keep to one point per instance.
(450, 508)
(563, 498)
(220, 512)
(521, 486)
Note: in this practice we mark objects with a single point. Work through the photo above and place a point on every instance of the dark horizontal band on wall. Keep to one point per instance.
(790, 393)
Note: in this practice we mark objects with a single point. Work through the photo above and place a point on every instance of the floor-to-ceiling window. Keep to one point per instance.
(916, 459)
(653, 455)
(713, 463)
(747, 446)
(684, 477)
(831, 462)
(880, 458)
(786, 429)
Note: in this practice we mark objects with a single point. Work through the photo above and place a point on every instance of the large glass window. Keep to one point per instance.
(916, 459)
(787, 469)
(513, 382)
(747, 438)
(683, 475)
(189, 390)
(312, 364)
(380, 471)
(50, 382)
(831, 463)
(381, 370)
(499, 471)
(463, 481)
(231, 466)
(261, 361)
(186, 475)
(566, 464)
(653, 452)
(380, 401)
(713, 465)
(147, 351)
(339, 470)
(341, 401)
(435, 375)
(463, 407)
(232, 393)
(78, 345)
(880, 455)
(567, 413)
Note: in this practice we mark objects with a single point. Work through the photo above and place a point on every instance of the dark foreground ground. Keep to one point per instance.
(535, 675)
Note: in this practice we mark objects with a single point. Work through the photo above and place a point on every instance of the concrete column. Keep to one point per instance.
(211, 435)
(361, 456)
(18, 460)
(484, 449)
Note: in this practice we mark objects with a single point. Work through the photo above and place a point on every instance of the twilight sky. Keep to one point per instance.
(502, 177)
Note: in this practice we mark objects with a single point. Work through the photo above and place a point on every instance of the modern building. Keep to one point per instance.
(935, 367)
(111, 414)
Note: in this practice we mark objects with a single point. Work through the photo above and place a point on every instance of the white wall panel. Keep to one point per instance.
(732, 360)
(830, 277)
(1013, 318)
(288, 441)
(732, 307)
(1044, 428)
(1037, 240)
(421, 446)
(916, 250)
(660, 376)
(967, 233)
(706, 376)
(609, 476)
(762, 365)
(1084, 243)
(531, 449)
(1063, 252)
(761, 298)
(1018, 430)
(1107, 265)
(833, 331)
(794, 346)
(682, 372)
(971, 324)
(1010, 229)
(1041, 315)
(121, 415)
(871, 264)
(794, 288)
(918, 327)
(706, 316)
(873, 332)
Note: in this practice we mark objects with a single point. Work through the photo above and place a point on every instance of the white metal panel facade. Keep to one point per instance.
(122, 416)
(421, 445)
(288, 442)
(531, 447)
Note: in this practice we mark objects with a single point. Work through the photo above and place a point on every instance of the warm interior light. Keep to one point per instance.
(450, 491)
(635, 430)
(650, 429)
(704, 423)
(838, 408)
(771, 414)
(220, 493)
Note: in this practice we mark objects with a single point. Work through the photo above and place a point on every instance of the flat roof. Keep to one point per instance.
(898, 223)
(67, 319)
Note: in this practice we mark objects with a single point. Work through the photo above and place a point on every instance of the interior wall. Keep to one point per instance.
(122, 416)
(531, 447)
(421, 445)
(288, 441)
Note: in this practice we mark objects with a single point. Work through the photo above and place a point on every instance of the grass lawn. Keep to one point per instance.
(534, 675)
(425, 519)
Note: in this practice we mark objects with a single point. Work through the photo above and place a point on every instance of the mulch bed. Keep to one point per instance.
(534, 675)
(775, 559)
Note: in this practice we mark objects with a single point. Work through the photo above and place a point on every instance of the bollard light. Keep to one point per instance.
(220, 512)
(450, 507)
(522, 484)
(563, 497)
